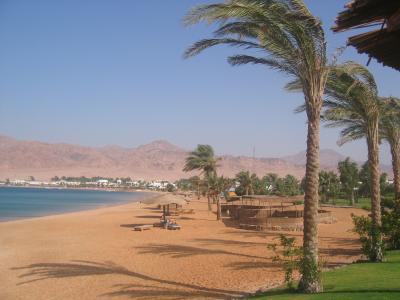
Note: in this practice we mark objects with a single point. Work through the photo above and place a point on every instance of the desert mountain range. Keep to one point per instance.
(156, 160)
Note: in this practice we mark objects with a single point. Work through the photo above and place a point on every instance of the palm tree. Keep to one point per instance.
(293, 42)
(353, 103)
(349, 178)
(203, 158)
(245, 181)
(324, 185)
(195, 182)
(220, 185)
(390, 131)
(270, 181)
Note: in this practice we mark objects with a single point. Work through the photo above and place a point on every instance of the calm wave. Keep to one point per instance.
(19, 203)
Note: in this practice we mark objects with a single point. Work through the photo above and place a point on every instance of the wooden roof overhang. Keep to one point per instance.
(382, 44)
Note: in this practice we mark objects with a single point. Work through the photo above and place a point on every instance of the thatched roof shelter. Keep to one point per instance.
(165, 200)
(382, 43)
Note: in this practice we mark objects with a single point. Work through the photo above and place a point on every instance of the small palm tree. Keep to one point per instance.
(390, 131)
(203, 158)
(269, 182)
(218, 184)
(324, 185)
(195, 182)
(353, 104)
(291, 41)
(245, 181)
(349, 178)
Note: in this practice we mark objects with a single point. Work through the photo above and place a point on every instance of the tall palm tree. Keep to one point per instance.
(390, 131)
(353, 103)
(203, 158)
(292, 41)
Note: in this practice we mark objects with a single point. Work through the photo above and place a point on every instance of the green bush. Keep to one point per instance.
(391, 226)
(292, 258)
(390, 229)
(387, 201)
(288, 255)
(368, 235)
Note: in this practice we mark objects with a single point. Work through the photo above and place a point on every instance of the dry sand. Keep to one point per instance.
(96, 255)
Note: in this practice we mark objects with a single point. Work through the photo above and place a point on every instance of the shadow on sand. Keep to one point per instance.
(78, 268)
(178, 251)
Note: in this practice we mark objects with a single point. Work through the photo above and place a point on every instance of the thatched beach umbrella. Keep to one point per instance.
(165, 201)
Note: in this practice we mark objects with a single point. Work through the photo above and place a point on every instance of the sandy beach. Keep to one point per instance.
(96, 255)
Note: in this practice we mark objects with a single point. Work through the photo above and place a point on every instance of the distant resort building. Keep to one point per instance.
(18, 182)
(102, 182)
(160, 185)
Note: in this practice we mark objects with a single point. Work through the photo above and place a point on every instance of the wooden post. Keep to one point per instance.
(164, 212)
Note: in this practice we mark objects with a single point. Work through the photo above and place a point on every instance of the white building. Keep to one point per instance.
(35, 183)
(102, 182)
(160, 185)
(133, 183)
(18, 182)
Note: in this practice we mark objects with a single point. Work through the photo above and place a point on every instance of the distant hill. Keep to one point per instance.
(156, 160)
(328, 158)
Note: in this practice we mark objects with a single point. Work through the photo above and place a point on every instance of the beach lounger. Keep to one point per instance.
(187, 211)
(250, 226)
(174, 227)
(142, 227)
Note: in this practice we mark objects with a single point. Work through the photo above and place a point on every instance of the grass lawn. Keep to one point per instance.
(364, 203)
(356, 281)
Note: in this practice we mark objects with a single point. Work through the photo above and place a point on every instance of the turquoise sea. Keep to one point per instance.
(20, 203)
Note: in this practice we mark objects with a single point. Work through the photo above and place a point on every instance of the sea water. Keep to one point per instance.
(20, 202)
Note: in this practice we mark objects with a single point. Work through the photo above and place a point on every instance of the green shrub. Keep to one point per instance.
(368, 235)
(391, 226)
(387, 201)
(288, 255)
(292, 258)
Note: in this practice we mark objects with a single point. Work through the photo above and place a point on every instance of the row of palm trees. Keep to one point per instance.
(291, 40)
(244, 183)
(352, 103)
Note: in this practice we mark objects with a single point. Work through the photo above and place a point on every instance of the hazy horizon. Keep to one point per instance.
(98, 73)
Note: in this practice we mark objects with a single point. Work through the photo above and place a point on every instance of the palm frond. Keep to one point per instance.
(199, 46)
(291, 38)
(352, 102)
(269, 62)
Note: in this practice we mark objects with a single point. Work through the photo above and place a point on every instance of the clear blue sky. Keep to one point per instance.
(111, 72)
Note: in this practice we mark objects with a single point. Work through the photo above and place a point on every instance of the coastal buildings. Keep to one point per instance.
(95, 182)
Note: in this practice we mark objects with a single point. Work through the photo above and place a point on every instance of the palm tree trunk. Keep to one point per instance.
(209, 202)
(395, 149)
(218, 209)
(208, 196)
(373, 157)
(310, 280)
(352, 197)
